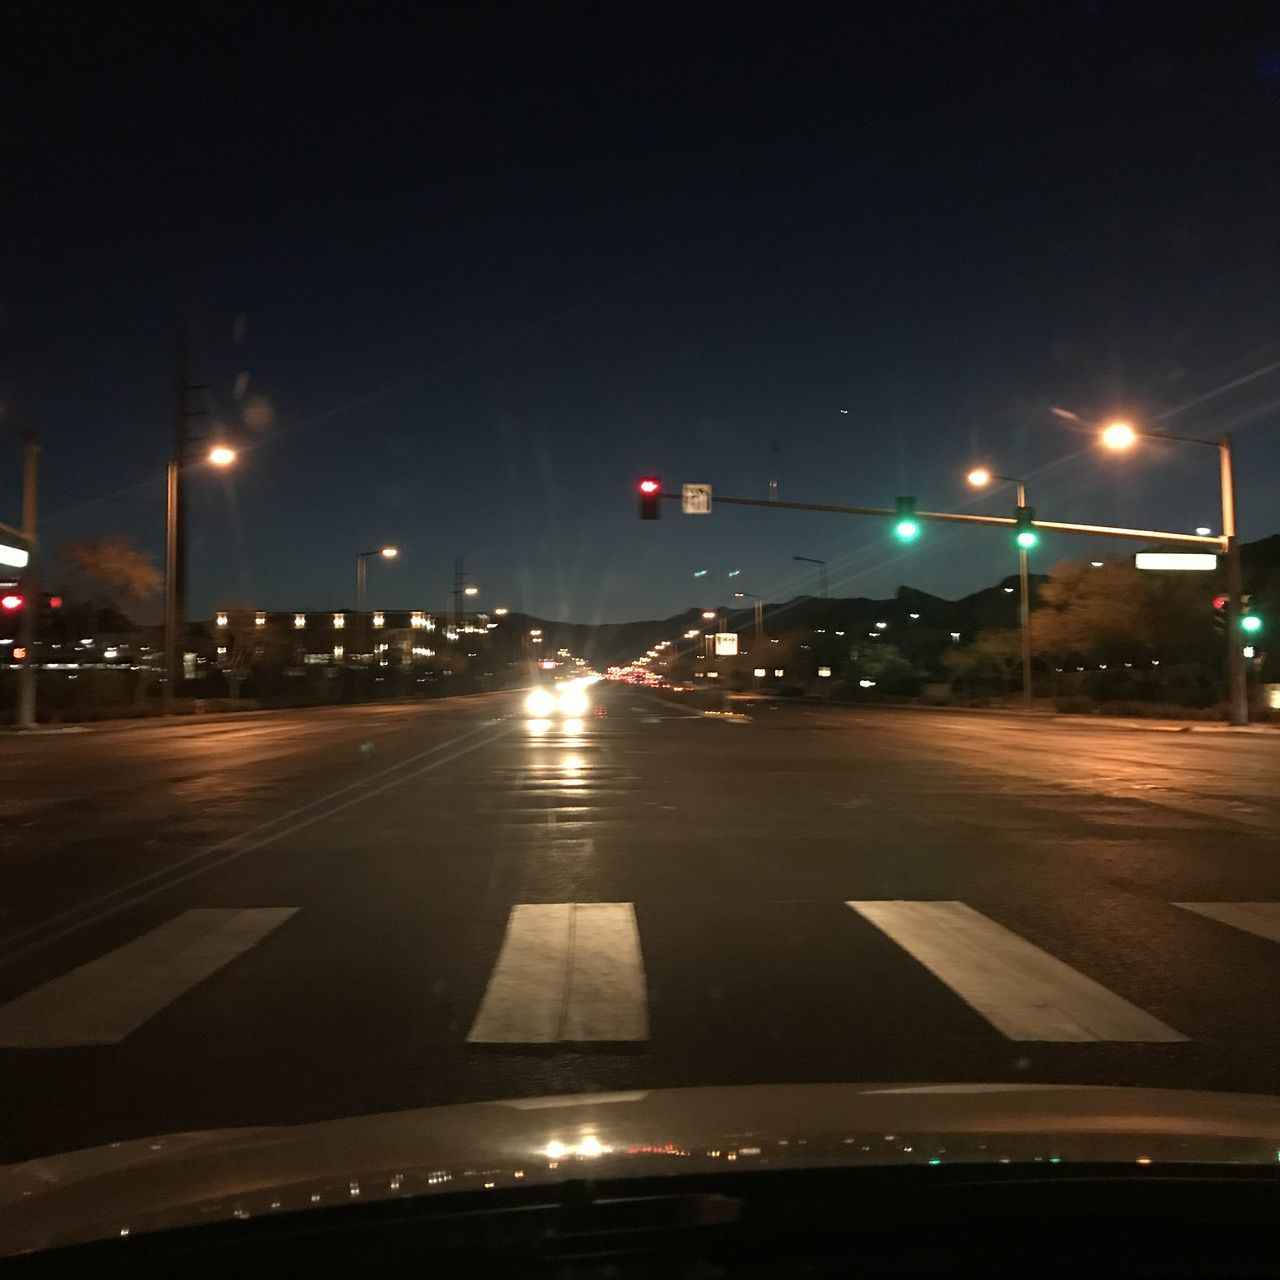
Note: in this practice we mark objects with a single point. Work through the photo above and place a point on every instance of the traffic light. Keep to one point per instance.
(650, 491)
(1250, 623)
(906, 526)
(1026, 537)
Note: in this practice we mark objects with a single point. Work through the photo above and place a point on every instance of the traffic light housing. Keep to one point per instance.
(650, 493)
(906, 525)
(1026, 536)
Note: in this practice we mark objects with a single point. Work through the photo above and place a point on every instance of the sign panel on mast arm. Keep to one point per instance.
(726, 644)
(1195, 561)
(696, 499)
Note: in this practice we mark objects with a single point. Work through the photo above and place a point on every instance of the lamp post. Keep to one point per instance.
(362, 576)
(1121, 436)
(980, 477)
(822, 571)
(174, 568)
(758, 609)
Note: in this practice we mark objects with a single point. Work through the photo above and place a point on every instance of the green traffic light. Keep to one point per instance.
(907, 530)
(1027, 538)
(1251, 623)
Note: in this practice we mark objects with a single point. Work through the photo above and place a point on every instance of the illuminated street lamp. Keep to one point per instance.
(219, 455)
(1119, 436)
(362, 559)
(1026, 538)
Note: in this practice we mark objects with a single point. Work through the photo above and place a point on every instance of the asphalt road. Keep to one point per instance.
(298, 916)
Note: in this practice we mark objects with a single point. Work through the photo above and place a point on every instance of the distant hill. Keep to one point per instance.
(604, 644)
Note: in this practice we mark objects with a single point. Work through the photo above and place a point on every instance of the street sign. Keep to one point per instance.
(12, 556)
(695, 499)
(726, 644)
(1199, 561)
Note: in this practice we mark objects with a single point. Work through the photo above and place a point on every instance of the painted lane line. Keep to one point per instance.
(103, 1001)
(1260, 918)
(608, 998)
(1021, 990)
(524, 1001)
(566, 972)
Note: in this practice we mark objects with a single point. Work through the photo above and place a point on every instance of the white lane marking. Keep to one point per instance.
(103, 1001)
(566, 972)
(608, 999)
(524, 1000)
(1022, 991)
(1260, 918)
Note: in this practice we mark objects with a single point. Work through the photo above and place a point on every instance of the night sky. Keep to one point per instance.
(484, 267)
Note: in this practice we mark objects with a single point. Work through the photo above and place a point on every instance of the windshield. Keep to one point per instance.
(553, 551)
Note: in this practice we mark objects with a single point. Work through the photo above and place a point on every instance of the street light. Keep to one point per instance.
(1119, 436)
(362, 559)
(822, 570)
(219, 455)
(1026, 538)
(759, 611)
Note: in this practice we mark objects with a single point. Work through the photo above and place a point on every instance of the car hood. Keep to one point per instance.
(200, 1177)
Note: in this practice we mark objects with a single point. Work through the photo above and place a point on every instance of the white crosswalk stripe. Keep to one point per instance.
(1260, 918)
(1021, 990)
(567, 971)
(103, 1001)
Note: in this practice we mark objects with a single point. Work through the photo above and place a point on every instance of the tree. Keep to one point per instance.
(121, 573)
(1120, 613)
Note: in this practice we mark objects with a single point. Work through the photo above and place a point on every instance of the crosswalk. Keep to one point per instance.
(574, 973)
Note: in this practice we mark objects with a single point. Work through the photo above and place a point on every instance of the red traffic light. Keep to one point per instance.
(1219, 602)
(650, 488)
(55, 602)
(11, 602)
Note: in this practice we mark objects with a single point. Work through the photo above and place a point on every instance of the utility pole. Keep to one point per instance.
(459, 586)
(773, 472)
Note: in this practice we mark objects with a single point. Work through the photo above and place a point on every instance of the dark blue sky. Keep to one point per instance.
(485, 266)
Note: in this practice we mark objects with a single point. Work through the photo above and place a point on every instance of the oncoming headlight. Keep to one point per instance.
(574, 701)
(539, 703)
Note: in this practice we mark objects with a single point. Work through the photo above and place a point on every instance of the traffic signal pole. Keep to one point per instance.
(1206, 542)
(1237, 690)
(1026, 525)
(1024, 610)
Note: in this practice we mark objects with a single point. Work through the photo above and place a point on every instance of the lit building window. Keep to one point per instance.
(339, 651)
(221, 619)
(299, 621)
(418, 620)
(222, 651)
(378, 620)
(260, 620)
(339, 621)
